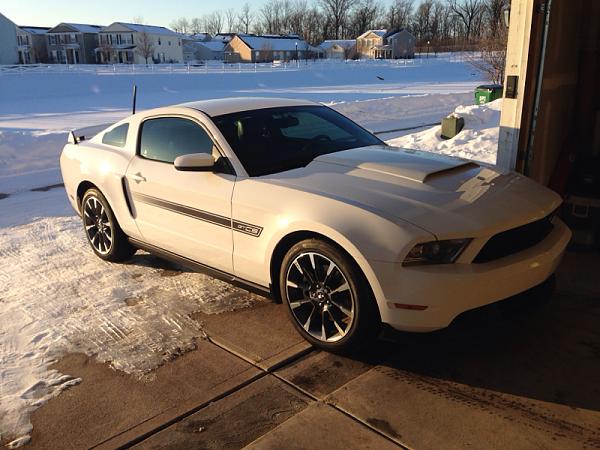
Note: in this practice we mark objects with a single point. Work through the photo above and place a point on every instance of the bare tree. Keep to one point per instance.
(400, 13)
(105, 49)
(214, 23)
(196, 25)
(245, 18)
(145, 46)
(337, 10)
(181, 25)
(491, 59)
(468, 12)
(313, 26)
(494, 10)
(365, 16)
(230, 16)
(422, 20)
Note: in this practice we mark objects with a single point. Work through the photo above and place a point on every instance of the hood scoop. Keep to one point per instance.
(412, 165)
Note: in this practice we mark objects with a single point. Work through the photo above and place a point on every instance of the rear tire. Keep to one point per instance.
(102, 230)
(327, 297)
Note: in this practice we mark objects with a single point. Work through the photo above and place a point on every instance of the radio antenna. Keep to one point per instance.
(134, 97)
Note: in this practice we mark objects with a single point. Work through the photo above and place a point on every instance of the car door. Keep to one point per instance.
(185, 212)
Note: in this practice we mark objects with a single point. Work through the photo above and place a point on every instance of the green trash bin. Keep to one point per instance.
(487, 93)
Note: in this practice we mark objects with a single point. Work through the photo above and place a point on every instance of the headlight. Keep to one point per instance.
(436, 252)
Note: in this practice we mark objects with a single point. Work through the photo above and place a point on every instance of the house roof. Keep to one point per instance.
(225, 37)
(345, 43)
(379, 33)
(141, 28)
(35, 30)
(395, 34)
(83, 28)
(272, 42)
(199, 36)
(215, 46)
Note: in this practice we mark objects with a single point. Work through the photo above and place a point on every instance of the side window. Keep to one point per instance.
(117, 136)
(166, 138)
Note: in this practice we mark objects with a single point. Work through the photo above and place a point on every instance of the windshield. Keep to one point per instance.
(273, 140)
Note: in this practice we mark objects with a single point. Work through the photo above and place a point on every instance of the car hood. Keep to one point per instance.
(444, 195)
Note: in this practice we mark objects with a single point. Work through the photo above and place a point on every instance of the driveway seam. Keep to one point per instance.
(293, 358)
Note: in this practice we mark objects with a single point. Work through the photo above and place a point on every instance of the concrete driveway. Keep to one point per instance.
(498, 378)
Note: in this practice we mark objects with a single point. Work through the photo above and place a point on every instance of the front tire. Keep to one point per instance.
(327, 297)
(102, 230)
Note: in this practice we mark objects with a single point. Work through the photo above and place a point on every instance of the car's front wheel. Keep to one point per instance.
(328, 297)
(102, 229)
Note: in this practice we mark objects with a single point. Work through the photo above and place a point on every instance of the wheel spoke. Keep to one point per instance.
(292, 284)
(330, 269)
(297, 303)
(307, 323)
(342, 308)
(323, 333)
(342, 288)
(335, 323)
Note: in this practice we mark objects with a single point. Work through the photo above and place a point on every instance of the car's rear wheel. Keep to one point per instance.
(327, 296)
(102, 229)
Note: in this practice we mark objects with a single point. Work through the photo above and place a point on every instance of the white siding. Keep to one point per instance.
(8, 41)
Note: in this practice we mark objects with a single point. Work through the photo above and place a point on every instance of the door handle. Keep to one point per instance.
(138, 177)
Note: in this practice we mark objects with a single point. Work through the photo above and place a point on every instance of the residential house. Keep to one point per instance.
(339, 48)
(268, 48)
(386, 44)
(8, 41)
(210, 50)
(397, 44)
(367, 41)
(73, 43)
(131, 43)
(32, 44)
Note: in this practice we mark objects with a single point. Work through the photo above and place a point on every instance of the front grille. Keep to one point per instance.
(515, 240)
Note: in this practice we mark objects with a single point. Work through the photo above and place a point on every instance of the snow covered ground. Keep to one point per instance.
(136, 315)
(478, 140)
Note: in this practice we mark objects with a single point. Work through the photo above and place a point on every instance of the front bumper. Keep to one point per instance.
(451, 289)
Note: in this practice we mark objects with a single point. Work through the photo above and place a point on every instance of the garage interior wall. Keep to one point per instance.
(568, 121)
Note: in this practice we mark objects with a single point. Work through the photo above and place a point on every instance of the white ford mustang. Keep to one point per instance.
(293, 199)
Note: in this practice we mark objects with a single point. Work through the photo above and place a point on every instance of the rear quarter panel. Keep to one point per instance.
(104, 167)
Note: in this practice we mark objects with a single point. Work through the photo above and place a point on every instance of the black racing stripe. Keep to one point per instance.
(216, 219)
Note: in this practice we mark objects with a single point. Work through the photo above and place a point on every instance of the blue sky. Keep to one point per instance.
(104, 12)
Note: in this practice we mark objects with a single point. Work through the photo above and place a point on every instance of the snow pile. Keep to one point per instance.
(478, 140)
(57, 298)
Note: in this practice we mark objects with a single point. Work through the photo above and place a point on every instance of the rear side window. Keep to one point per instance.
(116, 137)
(166, 138)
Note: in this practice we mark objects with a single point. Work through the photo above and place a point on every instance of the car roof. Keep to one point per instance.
(220, 106)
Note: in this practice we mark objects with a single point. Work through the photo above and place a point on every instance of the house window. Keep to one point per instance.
(169, 42)
(159, 41)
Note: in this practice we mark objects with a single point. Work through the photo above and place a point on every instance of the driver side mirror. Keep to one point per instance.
(195, 162)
